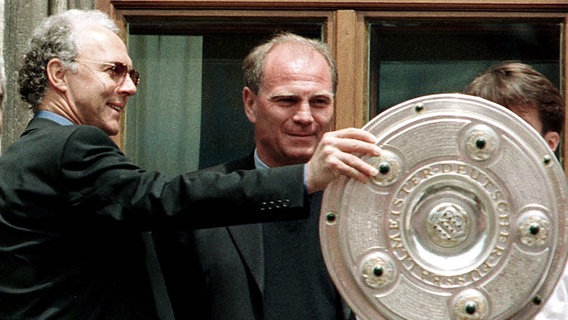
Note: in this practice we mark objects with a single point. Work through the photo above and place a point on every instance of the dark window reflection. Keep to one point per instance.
(409, 59)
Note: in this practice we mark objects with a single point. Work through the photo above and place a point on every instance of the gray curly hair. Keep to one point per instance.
(55, 37)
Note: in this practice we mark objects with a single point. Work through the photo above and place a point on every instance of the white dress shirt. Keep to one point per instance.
(556, 308)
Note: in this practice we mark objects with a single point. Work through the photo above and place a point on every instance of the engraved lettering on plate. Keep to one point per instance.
(465, 220)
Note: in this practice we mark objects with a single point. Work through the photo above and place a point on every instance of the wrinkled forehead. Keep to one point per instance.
(96, 42)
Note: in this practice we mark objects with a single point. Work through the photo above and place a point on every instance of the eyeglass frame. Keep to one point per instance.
(132, 73)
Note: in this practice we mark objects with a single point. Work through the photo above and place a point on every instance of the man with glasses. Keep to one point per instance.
(73, 207)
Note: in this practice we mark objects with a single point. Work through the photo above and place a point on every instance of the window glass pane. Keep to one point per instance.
(164, 115)
(188, 112)
(409, 58)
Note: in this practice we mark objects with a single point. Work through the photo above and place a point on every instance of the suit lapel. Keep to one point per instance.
(249, 243)
(248, 239)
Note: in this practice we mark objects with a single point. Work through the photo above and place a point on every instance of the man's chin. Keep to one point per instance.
(301, 156)
(111, 130)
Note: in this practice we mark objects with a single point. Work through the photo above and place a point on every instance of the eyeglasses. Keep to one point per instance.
(118, 69)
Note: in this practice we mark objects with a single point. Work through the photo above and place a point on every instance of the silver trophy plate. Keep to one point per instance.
(465, 220)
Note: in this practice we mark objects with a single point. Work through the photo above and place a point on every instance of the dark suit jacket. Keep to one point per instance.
(233, 263)
(72, 208)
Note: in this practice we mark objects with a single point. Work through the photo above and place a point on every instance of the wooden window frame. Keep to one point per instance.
(346, 31)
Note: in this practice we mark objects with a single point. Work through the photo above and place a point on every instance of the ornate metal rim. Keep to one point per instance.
(466, 219)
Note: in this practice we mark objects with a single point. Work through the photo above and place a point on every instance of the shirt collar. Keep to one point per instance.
(259, 163)
(53, 117)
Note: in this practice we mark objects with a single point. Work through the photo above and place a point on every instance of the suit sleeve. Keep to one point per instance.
(98, 176)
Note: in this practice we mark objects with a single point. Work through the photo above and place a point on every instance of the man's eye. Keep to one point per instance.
(118, 69)
(113, 70)
(286, 101)
(320, 103)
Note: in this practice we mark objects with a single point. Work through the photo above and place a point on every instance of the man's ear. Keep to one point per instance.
(56, 74)
(552, 139)
(249, 104)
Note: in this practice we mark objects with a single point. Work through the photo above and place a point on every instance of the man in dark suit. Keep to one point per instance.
(72, 206)
(273, 271)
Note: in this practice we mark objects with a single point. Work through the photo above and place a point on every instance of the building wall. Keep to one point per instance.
(2, 73)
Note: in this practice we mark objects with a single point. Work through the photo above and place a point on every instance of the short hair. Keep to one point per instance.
(517, 85)
(253, 64)
(55, 37)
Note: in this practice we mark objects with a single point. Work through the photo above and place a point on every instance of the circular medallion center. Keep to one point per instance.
(447, 225)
